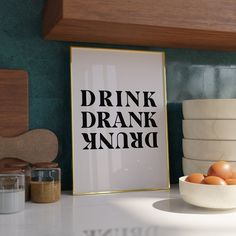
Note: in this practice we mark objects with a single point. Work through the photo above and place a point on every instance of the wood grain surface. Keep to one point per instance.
(39, 145)
(206, 24)
(13, 102)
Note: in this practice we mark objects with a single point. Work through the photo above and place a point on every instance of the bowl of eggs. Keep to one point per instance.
(215, 190)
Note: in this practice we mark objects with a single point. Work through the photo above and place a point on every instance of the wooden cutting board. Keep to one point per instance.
(13, 102)
(38, 145)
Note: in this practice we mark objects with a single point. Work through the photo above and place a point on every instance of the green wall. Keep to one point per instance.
(190, 74)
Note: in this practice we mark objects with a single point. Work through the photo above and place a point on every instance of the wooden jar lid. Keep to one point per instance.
(45, 165)
(10, 170)
(18, 165)
(13, 162)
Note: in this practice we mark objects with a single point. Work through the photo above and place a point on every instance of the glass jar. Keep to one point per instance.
(26, 170)
(45, 182)
(12, 190)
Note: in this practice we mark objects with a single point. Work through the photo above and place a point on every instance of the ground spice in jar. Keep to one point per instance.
(46, 191)
(45, 183)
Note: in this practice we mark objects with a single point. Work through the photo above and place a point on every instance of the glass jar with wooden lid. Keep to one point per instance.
(26, 169)
(12, 190)
(45, 182)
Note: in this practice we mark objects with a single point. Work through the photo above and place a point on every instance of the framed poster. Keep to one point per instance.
(119, 121)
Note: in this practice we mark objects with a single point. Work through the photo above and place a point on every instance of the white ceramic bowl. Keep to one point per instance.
(211, 150)
(192, 166)
(210, 129)
(209, 196)
(209, 109)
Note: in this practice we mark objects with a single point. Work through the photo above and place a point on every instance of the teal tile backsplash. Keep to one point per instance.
(190, 74)
(200, 81)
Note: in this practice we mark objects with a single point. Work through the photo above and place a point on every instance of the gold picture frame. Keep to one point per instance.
(167, 187)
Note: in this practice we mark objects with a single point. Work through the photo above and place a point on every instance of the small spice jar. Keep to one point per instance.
(26, 170)
(45, 182)
(12, 190)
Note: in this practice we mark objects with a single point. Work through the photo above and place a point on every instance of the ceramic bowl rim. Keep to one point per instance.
(182, 180)
(210, 99)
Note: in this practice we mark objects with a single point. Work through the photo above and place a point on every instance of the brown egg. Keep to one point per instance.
(195, 178)
(213, 180)
(234, 175)
(230, 181)
(221, 169)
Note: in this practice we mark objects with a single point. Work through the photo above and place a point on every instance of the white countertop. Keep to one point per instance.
(128, 214)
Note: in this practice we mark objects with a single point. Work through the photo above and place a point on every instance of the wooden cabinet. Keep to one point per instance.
(208, 24)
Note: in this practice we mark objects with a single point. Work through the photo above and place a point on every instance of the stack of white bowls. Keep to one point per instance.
(209, 129)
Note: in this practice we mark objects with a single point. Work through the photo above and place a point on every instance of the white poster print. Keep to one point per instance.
(118, 121)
